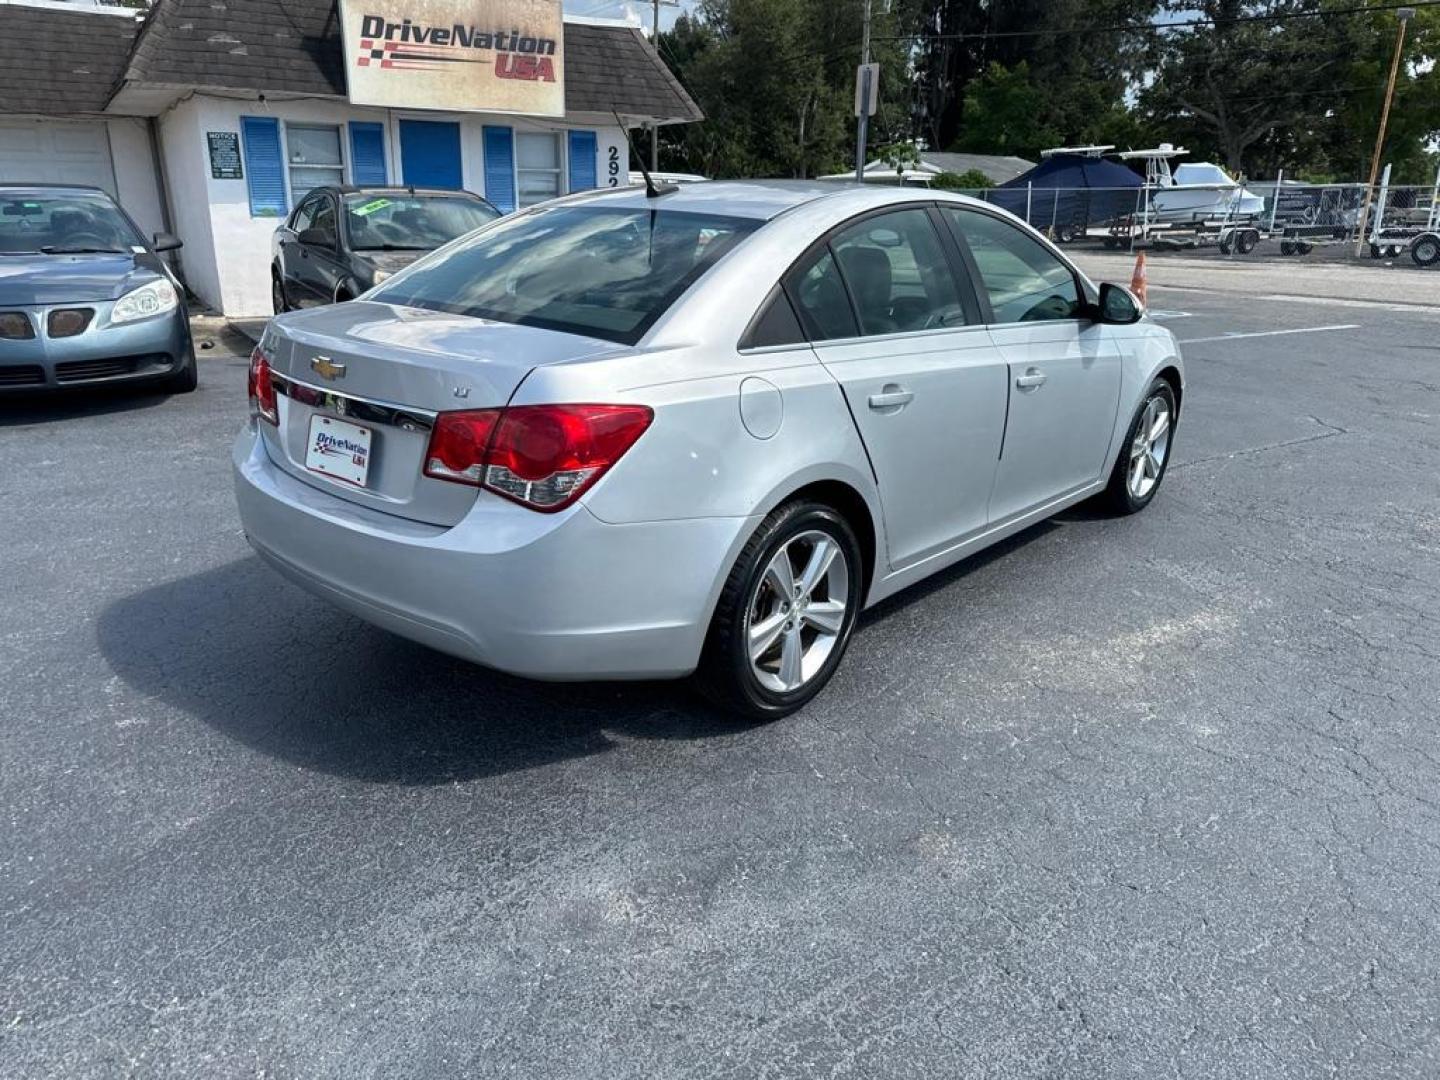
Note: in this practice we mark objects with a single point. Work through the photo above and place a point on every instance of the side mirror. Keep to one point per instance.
(164, 241)
(317, 237)
(1118, 305)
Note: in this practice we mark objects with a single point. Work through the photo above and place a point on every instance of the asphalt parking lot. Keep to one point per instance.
(1136, 798)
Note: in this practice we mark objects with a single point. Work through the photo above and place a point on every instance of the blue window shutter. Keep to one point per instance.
(500, 167)
(264, 166)
(367, 154)
(582, 160)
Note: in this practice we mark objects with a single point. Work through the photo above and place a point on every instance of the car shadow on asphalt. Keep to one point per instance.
(75, 404)
(282, 672)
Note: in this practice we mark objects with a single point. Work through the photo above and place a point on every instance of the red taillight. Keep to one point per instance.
(541, 456)
(261, 389)
(457, 446)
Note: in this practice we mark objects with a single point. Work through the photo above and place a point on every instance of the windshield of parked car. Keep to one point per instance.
(412, 222)
(70, 223)
(606, 272)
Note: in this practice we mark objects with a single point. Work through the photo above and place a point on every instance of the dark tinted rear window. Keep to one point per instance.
(605, 272)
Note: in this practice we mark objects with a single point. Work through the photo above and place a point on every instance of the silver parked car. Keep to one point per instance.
(621, 437)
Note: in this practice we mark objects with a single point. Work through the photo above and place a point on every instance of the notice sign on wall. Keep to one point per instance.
(225, 155)
(463, 55)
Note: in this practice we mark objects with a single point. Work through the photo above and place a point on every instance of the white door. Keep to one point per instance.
(56, 152)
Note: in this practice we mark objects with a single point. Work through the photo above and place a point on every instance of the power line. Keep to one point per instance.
(1155, 28)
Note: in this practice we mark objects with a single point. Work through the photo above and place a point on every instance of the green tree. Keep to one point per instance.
(969, 180)
(1346, 133)
(775, 79)
(1004, 112)
(1079, 57)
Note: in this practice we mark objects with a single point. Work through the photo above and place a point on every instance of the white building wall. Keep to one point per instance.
(137, 186)
(183, 157)
(241, 241)
(226, 258)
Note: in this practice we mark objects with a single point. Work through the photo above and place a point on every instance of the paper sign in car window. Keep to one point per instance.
(370, 207)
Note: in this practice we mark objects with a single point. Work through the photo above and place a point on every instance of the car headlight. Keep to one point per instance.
(379, 276)
(155, 298)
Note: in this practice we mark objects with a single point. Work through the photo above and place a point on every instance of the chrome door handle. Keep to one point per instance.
(1031, 379)
(891, 396)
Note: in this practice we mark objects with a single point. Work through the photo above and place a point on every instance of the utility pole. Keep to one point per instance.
(1404, 15)
(862, 123)
(655, 128)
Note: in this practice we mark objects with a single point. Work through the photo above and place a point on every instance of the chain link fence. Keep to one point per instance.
(1267, 218)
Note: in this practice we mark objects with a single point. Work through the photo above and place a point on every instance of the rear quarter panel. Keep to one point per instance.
(698, 458)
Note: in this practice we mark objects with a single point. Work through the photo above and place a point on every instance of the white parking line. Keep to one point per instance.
(1170, 314)
(1336, 301)
(1270, 333)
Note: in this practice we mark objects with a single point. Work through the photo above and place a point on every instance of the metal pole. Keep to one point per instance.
(1028, 185)
(1404, 15)
(1275, 206)
(862, 124)
(1433, 221)
(1379, 222)
(655, 126)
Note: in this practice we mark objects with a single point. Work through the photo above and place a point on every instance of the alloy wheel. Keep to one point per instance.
(798, 611)
(1149, 448)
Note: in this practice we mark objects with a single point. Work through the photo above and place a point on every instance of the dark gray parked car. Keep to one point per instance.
(340, 241)
(84, 298)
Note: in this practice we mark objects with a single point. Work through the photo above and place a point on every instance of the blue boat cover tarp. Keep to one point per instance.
(1070, 189)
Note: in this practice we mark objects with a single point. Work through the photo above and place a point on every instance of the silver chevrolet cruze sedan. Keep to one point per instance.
(626, 436)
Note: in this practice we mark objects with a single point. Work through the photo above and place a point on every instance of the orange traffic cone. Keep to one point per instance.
(1138, 279)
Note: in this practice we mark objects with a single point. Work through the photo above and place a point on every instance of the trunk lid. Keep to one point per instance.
(389, 370)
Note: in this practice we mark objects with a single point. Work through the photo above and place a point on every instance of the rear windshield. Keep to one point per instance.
(63, 223)
(606, 272)
(412, 222)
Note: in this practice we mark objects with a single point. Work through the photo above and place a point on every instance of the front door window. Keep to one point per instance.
(1023, 278)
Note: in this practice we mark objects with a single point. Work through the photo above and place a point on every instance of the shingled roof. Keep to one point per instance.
(60, 63)
(294, 46)
(56, 62)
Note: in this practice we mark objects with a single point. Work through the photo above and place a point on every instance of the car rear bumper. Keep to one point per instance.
(150, 349)
(547, 596)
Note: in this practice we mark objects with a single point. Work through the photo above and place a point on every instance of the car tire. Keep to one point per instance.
(185, 380)
(756, 683)
(279, 302)
(1128, 493)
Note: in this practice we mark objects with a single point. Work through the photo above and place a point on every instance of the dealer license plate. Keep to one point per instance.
(338, 449)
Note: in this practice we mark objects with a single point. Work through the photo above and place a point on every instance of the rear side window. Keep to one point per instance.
(820, 295)
(898, 274)
(775, 325)
(606, 272)
(1023, 279)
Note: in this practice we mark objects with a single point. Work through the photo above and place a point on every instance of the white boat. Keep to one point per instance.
(1202, 191)
(1194, 191)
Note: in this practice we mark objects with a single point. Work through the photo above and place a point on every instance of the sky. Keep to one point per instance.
(639, 12)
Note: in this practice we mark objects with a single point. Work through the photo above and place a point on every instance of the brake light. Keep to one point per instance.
(457, 446)
(541, 456)
(261, 389)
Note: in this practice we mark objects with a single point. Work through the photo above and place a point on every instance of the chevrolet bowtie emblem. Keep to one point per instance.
(327, 368)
